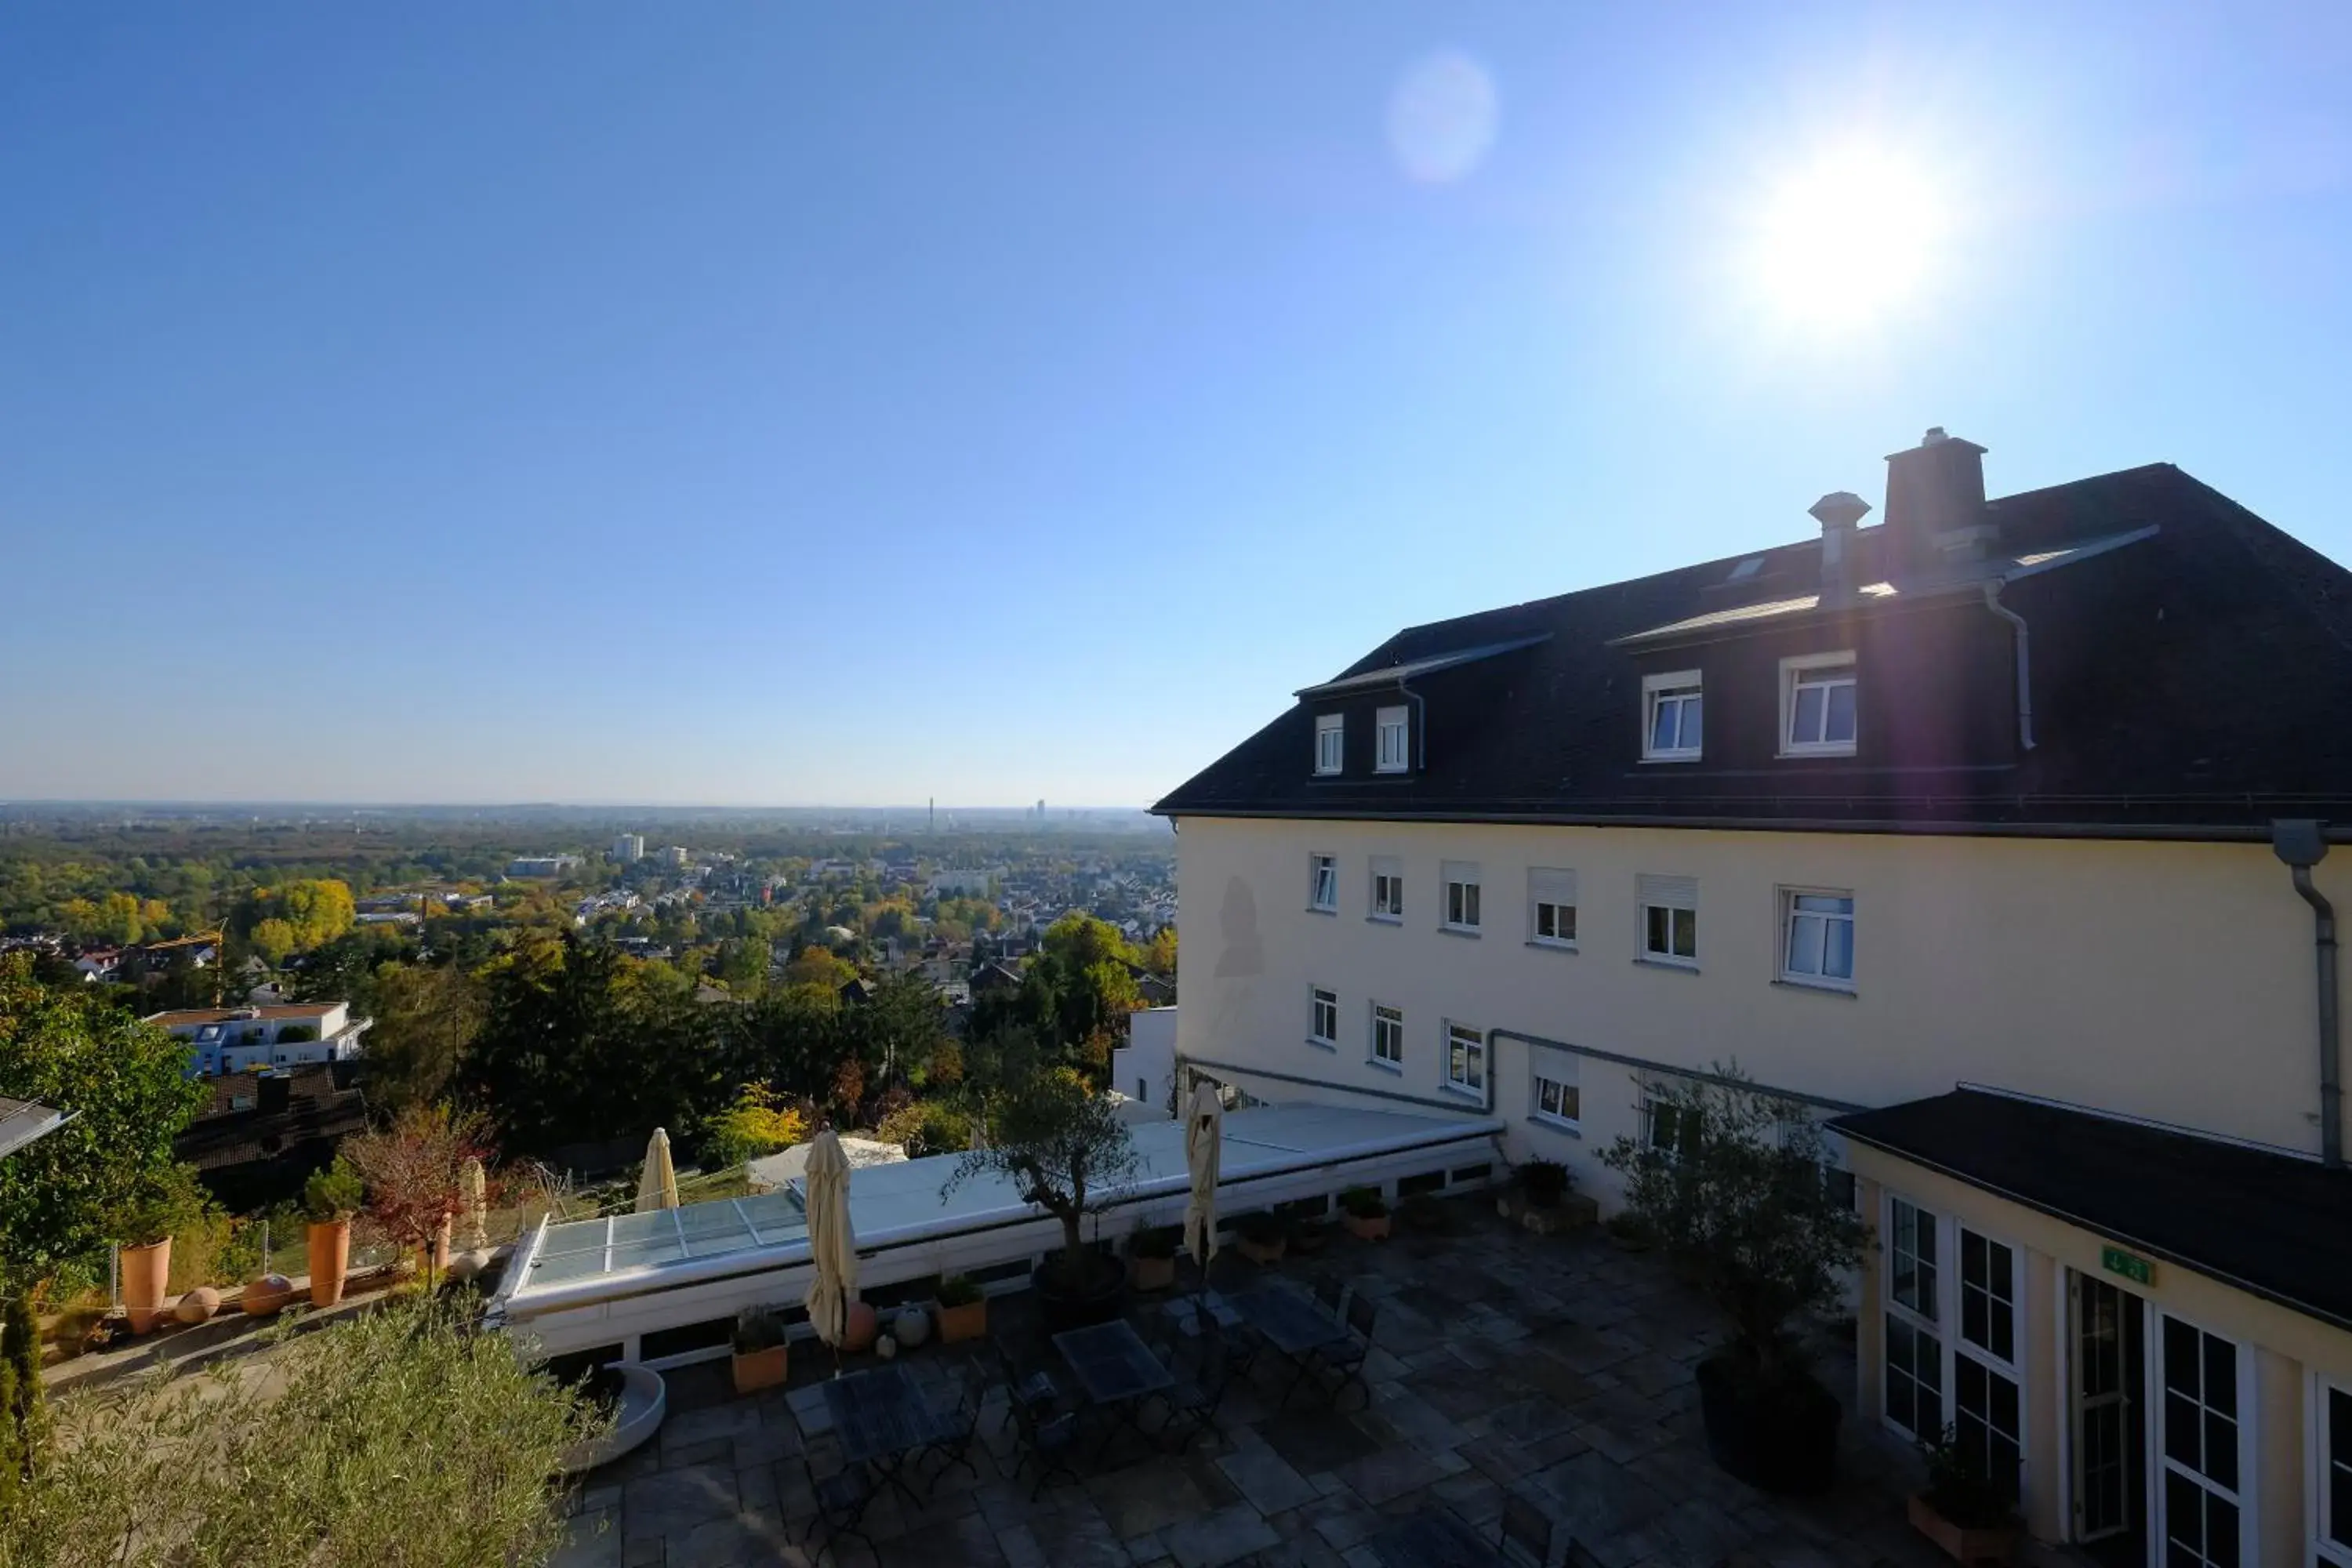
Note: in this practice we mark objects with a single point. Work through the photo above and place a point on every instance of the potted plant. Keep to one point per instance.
(1965, 1508)
(1365, 1214)
(1065, 1149)
(1151, 1256)
(329, 1198)
(165, 1201)
(1305, 1229)
(1260, 1236)
(963, 1309)
(1543, 1182)
(761, 1357)
(1740, 1203)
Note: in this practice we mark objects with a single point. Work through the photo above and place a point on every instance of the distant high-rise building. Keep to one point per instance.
(675, 855)
(1041, 811)
(629, 848)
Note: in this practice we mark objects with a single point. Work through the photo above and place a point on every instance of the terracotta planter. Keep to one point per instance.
(862, 1325)
(331, 1260)
(756, 1370)
(145, 1270)
(968, 1322)
(1153, 1273)
(1373, 1227)
(267, 1295)
(1260, 1251)
(1965, 1546)
(1309, 1239)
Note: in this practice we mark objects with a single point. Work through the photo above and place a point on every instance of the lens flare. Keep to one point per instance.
(1442, 117)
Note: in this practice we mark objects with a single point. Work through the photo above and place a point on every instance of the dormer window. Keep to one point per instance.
(1817, 706)
(1395, 732)
(1330, 742)
(1672, 711)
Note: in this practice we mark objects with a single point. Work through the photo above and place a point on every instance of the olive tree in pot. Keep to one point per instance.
(1734, 1192)
(1064, 1148)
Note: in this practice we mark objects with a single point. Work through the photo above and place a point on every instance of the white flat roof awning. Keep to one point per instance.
(22, 1121)
(891, 1205)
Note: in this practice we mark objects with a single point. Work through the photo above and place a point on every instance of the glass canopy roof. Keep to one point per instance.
(580, 1248)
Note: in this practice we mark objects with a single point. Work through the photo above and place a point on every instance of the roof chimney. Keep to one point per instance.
(1838, 512)
(1936, 513)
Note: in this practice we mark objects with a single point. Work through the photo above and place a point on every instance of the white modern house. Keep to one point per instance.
(1997, 833)
(290, 1034)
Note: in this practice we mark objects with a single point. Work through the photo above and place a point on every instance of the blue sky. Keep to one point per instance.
(795, 403)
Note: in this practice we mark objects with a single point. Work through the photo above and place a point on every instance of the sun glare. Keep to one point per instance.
(1849, 240)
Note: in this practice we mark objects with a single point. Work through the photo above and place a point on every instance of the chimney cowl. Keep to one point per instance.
(1838, 512)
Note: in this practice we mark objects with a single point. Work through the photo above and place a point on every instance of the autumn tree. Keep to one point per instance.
(319, 911)
(412, 1168)
(273, 939)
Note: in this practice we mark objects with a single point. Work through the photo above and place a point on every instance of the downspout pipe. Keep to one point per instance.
(1420, 728)
(2303, 843)
(2024, 662)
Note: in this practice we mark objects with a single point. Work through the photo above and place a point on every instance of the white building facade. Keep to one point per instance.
(1950, 830)
(244, 1039)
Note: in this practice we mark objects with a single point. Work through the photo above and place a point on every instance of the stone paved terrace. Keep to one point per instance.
(1557, 1366)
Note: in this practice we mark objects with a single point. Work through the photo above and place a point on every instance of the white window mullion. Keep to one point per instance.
(2330, 1447)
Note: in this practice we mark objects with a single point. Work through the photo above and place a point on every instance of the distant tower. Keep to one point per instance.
(931, 815)
(1041, 810)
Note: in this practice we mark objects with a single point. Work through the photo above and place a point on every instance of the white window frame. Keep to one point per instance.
(1323, 1018)
(1555, 880)
(1571, 1094)
(1794, 672)
(1331, 744)
(1649, 897)
(1394, 1019)
(1680, 686)
(1790, 914)
(1467, 912)
(2322, 1524)
(1472, 1081)
(1392, 911)
(1927, 1317)
(1393, 732)
(2245, 1496)
(1943, 1318)
(1322, 882)
(1653, 1098)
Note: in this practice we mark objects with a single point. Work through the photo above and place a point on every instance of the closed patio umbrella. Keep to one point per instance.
(1204, 1121)
(474, 1192)
(658, 1187)
(833, 1249)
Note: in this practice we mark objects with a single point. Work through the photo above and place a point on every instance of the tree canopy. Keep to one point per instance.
(124, 1087)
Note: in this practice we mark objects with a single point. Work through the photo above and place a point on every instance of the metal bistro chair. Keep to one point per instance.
(955, 1430)
(1051, 1442)
(1347, 1356)
(1202, 1375)
(1526, 1533)
(1332, 1294)
(841, 1503)
(1027, 1389)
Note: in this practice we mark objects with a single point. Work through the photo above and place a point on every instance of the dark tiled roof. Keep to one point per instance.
(2186, 682)
(2258, 1220)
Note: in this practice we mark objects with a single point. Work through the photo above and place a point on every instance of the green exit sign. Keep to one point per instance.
(2139, 1271)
